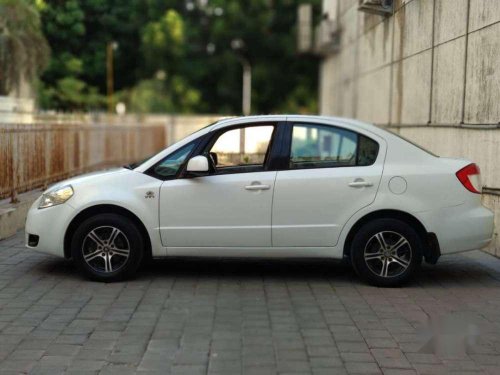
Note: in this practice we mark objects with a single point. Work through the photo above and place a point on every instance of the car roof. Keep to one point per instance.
(298, 118)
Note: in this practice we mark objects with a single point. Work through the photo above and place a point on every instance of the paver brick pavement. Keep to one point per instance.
(216, 317)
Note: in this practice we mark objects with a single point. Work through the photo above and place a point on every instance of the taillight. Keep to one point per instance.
(469, 176)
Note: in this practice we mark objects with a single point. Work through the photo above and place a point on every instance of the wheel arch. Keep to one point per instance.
(104, 209)
(429, 240)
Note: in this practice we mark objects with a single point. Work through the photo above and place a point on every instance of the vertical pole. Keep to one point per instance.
(13, 196)
(247, 100)
(242, 144)
(109, 75)
(466, 57)
(247, 87)
(15, 135)
(433, 46)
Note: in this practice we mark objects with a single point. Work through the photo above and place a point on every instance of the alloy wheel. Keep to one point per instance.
(388, 254)
(106, 249)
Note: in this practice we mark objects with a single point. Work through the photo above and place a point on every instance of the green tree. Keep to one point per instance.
(189, 43)
(62, 85)
(164, 48)
(24, 51)
(163, 41)
(81, 29)
(281, 80)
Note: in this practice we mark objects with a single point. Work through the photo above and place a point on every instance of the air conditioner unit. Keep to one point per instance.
(380, 7)
(327, 37)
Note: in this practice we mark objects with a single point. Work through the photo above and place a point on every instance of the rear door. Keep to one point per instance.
(330, 173)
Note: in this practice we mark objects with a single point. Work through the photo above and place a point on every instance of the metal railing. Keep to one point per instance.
(35, 155)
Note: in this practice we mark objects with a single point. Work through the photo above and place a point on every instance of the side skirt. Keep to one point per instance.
(256, 252)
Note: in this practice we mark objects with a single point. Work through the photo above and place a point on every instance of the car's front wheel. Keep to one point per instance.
(386, 252)
(107, 247)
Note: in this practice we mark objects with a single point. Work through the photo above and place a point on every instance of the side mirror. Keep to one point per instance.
(198, 166)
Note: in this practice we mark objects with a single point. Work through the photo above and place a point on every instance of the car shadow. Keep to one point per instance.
(338, 272)
(295, 269)
(292, 270)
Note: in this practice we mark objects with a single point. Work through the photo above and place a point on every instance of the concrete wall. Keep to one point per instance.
(431, 71)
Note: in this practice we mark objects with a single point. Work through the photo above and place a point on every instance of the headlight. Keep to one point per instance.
(55, 197)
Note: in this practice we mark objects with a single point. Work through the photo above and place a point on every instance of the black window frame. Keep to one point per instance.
(286, 162)
(278, 158)
(274, 161)
(269, 162)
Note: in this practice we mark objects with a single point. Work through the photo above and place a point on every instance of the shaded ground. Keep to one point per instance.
(251, 317)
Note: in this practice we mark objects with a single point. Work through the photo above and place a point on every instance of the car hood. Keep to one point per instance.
(88, 177)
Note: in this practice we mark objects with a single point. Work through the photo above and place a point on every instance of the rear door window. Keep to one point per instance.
(323, 146)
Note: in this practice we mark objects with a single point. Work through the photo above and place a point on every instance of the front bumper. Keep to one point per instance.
(50, 225)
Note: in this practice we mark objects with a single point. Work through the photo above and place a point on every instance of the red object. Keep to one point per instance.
(464, 175)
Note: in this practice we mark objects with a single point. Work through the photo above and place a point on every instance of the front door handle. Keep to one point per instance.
(257, 187)
(357, 183)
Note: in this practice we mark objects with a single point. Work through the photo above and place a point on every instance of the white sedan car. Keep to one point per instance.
(270, 187)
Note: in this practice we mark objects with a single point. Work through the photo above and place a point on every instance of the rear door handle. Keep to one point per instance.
(257, 187)
(360, 183)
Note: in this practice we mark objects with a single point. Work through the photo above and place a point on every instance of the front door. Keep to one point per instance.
(332, 173)
(231, 207)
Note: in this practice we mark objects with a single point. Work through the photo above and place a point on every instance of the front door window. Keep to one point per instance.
(241, 150)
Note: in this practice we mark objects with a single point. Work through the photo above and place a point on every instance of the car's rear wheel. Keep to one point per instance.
(386, 252)
(107, 247)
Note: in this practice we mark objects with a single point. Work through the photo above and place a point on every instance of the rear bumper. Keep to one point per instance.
(460, 228)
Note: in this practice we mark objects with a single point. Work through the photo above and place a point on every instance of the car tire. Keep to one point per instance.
(107, 247)
(386, 252)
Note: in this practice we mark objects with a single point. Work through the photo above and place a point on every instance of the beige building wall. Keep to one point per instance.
(430, 71)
